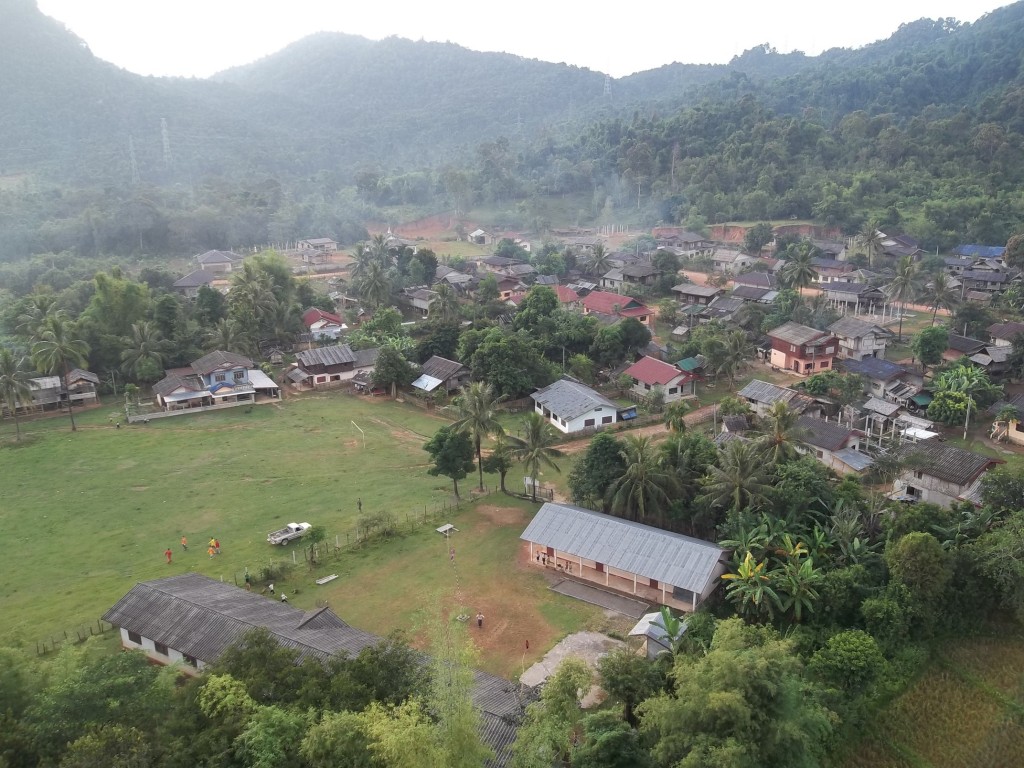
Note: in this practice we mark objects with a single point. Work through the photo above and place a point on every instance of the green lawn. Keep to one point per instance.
(88, 514)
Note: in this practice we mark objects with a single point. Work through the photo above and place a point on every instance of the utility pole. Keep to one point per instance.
(165, 136)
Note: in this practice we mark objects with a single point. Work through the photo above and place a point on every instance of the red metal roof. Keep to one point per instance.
(606, 303)
(313, 315)
(649, 370)
(566, 295)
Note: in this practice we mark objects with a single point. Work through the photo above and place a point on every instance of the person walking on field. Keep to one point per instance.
(216, 545)
(212, 553)
(248, 582)
(480, 620)
(167, 554)
(184, 544)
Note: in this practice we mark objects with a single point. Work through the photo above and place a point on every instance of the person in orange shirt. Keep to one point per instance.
(212, 553)
(184, 544)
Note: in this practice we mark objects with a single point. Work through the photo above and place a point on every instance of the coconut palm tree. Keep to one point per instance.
(675, 414)
(731, 354)
(14, 386)
(939, 294)
(252, 295)
(781, 435)
(38, 309)
(445, 305)
(536, 449)
(144, 351)
(871, 239)
(58, 349)
(799, 271)
(477, 411)
(902, 287)
(228, 336)
(375, 285)
(740, 481)
(598, 262)
(646, 488)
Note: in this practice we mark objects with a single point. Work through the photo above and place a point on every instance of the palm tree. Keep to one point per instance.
(740, 480)
(675, 414)
(646, 488)
(252, 295)
(361, 259)
(144, 348)
(871, 239)
(379, 250)
(781, 435)
(598, 262)
(799, 272)
(227, 335)
(477, 410)
(902, 287)
(536, 449)
(938, 293)
(38, 309)
(445, 305)
(59, 348)
(14, 386)
(375, 285)
(731, 354)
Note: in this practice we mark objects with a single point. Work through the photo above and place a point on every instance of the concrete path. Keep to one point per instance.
(589, 646)
(627, 606)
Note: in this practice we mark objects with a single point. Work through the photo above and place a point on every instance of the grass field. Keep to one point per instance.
(964, 712)
(87, 515)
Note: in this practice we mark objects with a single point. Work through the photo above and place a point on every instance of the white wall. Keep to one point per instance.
(575, 425)
(149, 647)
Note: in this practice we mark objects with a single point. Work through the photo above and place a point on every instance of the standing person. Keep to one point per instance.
(480, 620)
(271, 587)
(359, 505)
(284, 598)
(184, 544)
(248, 581)
(167, 554)
(216, 545)
(213, 543)
(210, 550)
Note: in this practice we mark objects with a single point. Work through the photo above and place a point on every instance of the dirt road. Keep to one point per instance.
(693, 418)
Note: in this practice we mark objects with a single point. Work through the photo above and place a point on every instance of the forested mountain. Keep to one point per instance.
(922, 131)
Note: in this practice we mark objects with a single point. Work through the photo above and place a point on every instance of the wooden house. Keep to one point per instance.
(440, 372)
(327, 367)
(81, 387)
(859, 338)
(941, 473)
(618, 306)
(802, 349)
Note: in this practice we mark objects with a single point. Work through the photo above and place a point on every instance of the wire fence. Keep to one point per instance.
(73, 636)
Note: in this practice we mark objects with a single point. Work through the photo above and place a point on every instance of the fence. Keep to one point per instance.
(74, 636)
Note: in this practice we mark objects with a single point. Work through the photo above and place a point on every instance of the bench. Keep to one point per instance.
(325, 579)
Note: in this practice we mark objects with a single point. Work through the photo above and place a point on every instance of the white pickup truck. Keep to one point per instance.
(288, 533)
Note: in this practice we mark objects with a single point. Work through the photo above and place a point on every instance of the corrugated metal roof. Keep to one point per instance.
(767, 393)
(218, 359)
(670, 558)
(854, 459)
(427, 383)
(947, 462)
(794, 333)
(339, 354)
(883, 407)
(874, 368)
(568, 398)
(442, 368)
(688, 289)
(855, 328)
(829, 435)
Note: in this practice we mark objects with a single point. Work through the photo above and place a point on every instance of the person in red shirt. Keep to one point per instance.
(168, 554)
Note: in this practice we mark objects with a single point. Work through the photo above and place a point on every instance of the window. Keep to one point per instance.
(606, 419)
(135, 637)
(919, 475)
(160, 648)
(599, 567)
(588, 423)
(829, 350)
(819, 454)
(792, 348)
(220, 377)
(824, 364)
(239, 375)
(673, 390)
(647, 387)
(190, 660)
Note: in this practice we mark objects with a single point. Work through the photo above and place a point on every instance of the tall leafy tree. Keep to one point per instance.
(598, 260)
(675, 415)
(58, 349)
(477, 410)
(799, 271)
(444, 307)
(870, 239)
(600, 466)
(929, 344)
(452, 454)
(646, 488)
(14, 387)
(537, 449)
(392, 370)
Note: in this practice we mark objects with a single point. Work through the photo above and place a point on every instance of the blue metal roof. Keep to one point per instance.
(981, 251)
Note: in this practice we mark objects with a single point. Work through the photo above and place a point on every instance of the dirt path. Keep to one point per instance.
(693, 418)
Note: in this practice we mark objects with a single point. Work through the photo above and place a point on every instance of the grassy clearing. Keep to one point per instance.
(965, 711)
(89, 514)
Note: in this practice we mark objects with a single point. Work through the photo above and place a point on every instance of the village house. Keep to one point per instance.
(757, 280)
(325, 367)
(756, 295)
(831, 270)
(802, 349)
(897, 246)
(322, 324)
(421, 299)
(729, 260)
(885, 379)
(940, 473)
(640, 273)
(480, 237)
(974, 251)
(859, 338)
(650, 375)
(630, 558)
(571, 406)
(189, 285)
(961, 346)
(454, 278)
(496, 265)
(617, 305)
(721, 308)
(219, 261)
(685, 242)
(985, 281)
(834, 445)
(762, 395)
(1003, 334)
(80, 387)
(440, 372)
(217, 379)
(1014, 429)
(319, 244)
(192, 620)
(567, 297)
(856, 298)
(701, 295)
(656, 640)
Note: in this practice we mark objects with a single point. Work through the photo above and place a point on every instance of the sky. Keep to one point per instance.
(196, 38)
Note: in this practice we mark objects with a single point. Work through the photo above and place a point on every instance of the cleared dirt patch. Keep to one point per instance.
(502, 515)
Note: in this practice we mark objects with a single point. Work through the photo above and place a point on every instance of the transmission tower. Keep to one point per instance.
(165, 135)
(132, 161)
(607, 86)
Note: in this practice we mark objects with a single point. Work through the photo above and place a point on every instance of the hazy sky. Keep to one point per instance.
(200, 37)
